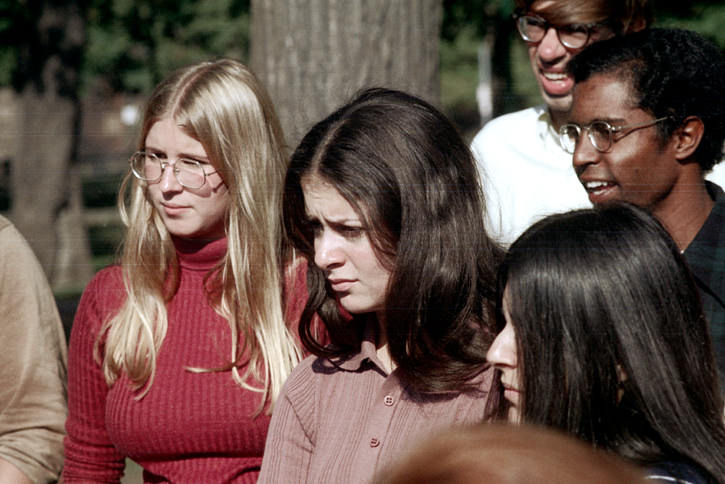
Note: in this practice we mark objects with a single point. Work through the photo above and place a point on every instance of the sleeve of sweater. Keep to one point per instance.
(89, 453)
(32, 364)
(291, 440)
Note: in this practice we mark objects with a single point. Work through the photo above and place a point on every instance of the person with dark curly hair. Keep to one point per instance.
(647, 124)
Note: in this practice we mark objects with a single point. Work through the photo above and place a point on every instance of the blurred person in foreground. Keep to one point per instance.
(602, 336)
(525, 172)
(32, 367)
(508, 454)
(647, 123)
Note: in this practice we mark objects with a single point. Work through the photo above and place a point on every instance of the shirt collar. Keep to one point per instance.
(709, 234)
(367, 353)
(545, 129)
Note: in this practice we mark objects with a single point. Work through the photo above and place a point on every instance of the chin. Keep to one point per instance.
(514, 415)
(557, 103)
(353, 306)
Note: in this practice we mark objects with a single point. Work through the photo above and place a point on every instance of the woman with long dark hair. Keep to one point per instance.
(382, 198)
(603, 336)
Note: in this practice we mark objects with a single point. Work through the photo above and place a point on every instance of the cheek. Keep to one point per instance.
(378, 275)
(627, 166)
(217, 206)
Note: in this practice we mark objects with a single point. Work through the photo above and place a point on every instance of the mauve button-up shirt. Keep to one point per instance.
(344, 421)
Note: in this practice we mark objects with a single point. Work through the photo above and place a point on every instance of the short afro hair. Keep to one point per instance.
(673, 72)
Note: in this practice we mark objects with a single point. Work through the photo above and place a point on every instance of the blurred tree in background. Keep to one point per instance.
(133, 44)
(42, 45)
(315, 54)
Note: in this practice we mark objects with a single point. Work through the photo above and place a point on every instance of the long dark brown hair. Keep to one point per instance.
(412, 180)
(612, 343)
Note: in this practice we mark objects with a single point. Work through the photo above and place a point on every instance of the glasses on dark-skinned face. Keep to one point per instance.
(533, 28)
(150, 167)
(601, 133)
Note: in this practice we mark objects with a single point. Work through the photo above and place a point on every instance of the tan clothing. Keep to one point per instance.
(344, 422)
(32, 363)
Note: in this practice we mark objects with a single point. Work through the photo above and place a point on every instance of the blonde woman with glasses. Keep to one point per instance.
(177, 353)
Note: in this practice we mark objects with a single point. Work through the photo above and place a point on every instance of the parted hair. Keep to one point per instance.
(612, 343)
(412, 180)
(622, 15)
(671, 72)
(222, 105)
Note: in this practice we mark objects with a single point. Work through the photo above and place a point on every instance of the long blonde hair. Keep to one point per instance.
(223, 105)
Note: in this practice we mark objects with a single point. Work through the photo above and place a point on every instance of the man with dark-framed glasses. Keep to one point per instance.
(647, 123)
(525, 172)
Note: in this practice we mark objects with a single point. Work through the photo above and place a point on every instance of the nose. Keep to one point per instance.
(502, 352)
(550, 50)
(168, 182)
(328, 253)
(584, 153)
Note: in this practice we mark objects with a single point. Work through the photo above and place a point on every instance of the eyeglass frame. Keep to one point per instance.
(590, 28)
(612, 130)
(163, 164)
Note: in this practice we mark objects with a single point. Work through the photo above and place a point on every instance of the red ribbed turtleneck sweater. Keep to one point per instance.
(190, 427)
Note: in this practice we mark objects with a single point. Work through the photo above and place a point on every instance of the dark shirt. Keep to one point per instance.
(706, 257)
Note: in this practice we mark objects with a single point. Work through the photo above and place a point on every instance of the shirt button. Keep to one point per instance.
(374, 442)
(388, 400)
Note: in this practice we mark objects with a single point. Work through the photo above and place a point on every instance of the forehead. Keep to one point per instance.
(568, 12)
(603, 97)
(323, 199)
(169, 133)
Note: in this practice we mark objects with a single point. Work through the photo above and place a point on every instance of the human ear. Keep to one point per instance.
(636, 26)
(687, 137)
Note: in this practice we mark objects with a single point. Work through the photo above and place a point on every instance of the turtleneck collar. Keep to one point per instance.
(199, 255)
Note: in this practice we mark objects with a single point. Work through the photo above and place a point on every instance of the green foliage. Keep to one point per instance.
(133, 44)
(99, 190)
(479, 15)
(706, 18)
(105, 240)
(459, 79)
(14, 18)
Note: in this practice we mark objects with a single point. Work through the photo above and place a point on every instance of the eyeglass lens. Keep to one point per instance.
(533, 29)
(599, 132)
(148, 167)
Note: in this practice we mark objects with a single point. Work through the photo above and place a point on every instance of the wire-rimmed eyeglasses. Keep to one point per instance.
(533, 28)
(149, 167)
(600, 133)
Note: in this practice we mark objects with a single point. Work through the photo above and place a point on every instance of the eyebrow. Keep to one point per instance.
(612, 121)
(341, 221)
(202, 158)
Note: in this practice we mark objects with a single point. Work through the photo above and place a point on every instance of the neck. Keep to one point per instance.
(381, 344)
(684, 211)
(558, 118)
(385, 358)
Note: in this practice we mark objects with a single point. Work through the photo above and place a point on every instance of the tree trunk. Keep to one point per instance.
(312, 55)
(504, 99)
(43, 174)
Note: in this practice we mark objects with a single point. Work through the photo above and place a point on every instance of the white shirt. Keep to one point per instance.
(717, 175)
(525, 173)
